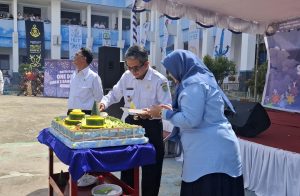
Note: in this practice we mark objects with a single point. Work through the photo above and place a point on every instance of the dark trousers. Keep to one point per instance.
(151, 174)
(215, 184)
(85, 111)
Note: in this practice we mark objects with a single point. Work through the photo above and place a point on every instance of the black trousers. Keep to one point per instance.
(151, 174)
(85, 111)
(215, 184)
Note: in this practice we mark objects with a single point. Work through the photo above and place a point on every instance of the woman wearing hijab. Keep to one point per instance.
(211, 155)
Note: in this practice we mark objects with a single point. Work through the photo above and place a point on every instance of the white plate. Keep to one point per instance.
(86, 180)
(103, 114)
(132, 111)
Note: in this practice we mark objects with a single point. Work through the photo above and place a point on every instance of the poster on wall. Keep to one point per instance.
(35, 44)
(57, 76)
(75, 39)
(106, 40)
(194, 39)
(283, 79)
(144, 33)
(165, 37)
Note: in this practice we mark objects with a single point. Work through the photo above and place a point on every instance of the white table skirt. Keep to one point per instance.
(270, 171)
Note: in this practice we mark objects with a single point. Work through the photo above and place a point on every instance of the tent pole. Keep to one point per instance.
(256, 66)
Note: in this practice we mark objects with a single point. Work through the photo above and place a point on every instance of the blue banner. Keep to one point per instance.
(57, 76)
(6, 30)
(282, 85)
(75, 40)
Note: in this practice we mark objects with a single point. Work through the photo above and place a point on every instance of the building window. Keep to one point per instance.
(4, 8)
(96, 19)
(186, 45)
(125, 23)
(4, 62)
(70, 18)
(32, 11)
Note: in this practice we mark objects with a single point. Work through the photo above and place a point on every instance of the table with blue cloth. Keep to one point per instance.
(104, 160)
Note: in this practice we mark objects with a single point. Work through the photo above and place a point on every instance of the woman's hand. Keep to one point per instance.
(168, 107)
(155, 111)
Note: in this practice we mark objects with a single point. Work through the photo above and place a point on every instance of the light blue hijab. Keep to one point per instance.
(184, 66)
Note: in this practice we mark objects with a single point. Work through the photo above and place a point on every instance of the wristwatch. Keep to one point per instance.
(160, 113)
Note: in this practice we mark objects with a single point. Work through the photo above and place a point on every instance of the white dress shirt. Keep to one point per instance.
(152, 90)
(85, 88)
(1, 83)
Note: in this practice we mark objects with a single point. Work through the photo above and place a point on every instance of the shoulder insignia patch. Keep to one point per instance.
(164, 86)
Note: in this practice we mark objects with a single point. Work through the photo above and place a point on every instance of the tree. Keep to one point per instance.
(221, 67)
(261, 79)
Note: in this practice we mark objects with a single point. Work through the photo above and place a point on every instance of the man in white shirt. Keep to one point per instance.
(96, 25)
(85, 84)
(1, 83)
(102, 26)
(141, 86)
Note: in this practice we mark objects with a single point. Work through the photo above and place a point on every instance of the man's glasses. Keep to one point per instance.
(135, 68)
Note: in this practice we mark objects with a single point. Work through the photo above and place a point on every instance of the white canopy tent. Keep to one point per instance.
(277, 174)
(248, 16)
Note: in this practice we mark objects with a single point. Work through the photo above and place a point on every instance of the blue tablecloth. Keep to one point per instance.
(107, 159)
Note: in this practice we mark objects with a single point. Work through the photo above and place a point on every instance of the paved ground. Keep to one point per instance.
(24, 164)
(23, 160)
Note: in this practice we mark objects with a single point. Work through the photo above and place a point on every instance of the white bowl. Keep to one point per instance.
(107, 189)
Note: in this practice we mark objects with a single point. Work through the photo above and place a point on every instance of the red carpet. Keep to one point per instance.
(284, 132)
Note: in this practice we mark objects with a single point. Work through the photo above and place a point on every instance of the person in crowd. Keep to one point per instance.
(73, 21)
(96, 25)
(141, 86)
(102, 26)
(20, 16)
(6, 77)
(38, 18)
(85, 84)
(32, 17)
(211, 155)
(1, 83)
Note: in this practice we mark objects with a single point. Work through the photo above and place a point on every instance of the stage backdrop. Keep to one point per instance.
(282, 84)
(57, 76)
(35, 44)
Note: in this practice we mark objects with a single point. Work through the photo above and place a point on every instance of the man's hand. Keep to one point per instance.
(145, 115)
(101, 107)
(155, 110)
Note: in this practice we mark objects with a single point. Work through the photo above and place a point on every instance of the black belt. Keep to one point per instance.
(136, 117)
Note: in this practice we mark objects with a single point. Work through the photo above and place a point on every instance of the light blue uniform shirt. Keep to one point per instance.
(208, 141)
